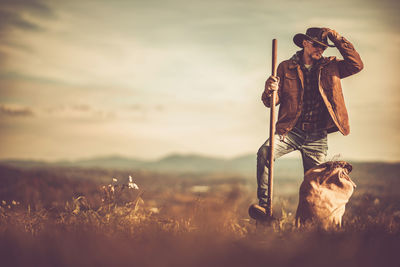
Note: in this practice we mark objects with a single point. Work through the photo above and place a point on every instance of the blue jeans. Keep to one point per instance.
(312, 145)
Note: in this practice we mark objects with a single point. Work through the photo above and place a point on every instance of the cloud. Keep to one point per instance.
(81, 107)
(15, 111)
(74, 112)
(11, 19)
(78, 113)
(141, 107)
(36, 6)
(16, 13)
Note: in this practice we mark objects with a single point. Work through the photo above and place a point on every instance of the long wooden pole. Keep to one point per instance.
(272, 131)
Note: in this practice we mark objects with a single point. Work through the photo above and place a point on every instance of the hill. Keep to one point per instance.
(174, 163)
(285, 168)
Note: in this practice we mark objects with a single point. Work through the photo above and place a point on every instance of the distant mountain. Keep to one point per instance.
(186, 163)
(174, 163)
(288, 168)
(24, 163)
(114, 162)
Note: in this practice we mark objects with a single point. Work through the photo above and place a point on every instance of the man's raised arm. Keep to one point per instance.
(351, 63)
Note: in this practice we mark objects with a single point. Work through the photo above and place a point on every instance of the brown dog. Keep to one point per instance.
(324, 193)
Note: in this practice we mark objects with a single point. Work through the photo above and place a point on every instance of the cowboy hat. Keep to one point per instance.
(317, 35)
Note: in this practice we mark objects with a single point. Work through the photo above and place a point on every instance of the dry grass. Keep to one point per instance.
(112, 224)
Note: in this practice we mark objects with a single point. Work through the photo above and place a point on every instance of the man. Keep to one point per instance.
(311, 103)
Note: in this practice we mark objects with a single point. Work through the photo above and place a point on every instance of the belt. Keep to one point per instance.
(308, 126)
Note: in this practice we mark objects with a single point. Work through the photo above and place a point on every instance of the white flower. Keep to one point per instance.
(131, 184)
(134, 186)
(115, 180)
(112, 189)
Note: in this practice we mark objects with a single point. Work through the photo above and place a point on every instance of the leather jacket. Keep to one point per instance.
(330, 71)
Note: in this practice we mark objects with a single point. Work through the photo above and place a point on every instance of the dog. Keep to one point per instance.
(324, 193)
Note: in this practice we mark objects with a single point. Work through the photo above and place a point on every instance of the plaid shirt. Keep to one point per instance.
(313, 109)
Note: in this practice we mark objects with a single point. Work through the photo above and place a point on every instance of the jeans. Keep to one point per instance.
(312, 145)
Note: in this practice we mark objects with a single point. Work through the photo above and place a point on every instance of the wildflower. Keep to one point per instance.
(154, 210)
(111, 188)
(131, 184)
(3, 202)
(114, 180)
(14, 202)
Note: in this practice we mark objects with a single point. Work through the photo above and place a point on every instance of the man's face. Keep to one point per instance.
(314, 50)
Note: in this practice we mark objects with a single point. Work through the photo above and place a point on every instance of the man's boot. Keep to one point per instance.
(258, 212)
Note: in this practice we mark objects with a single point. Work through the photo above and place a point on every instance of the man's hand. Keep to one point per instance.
(272, 84)
(332, 34)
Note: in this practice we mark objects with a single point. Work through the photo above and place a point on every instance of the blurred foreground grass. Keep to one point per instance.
(81, 217)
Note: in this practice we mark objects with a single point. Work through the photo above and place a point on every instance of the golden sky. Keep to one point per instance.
(148, 78)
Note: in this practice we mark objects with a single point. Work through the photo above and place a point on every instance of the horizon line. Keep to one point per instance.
(77, 159)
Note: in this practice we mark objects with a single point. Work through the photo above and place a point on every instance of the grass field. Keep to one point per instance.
(81, 217)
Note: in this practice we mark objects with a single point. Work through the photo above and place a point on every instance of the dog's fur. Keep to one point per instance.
(324, 193)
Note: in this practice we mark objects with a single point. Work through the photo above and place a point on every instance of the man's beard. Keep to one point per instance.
(315, 56)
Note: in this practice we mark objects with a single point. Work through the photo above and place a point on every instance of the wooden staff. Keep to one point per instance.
(272, 132)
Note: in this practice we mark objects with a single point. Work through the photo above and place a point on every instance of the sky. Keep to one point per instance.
(148, 78)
